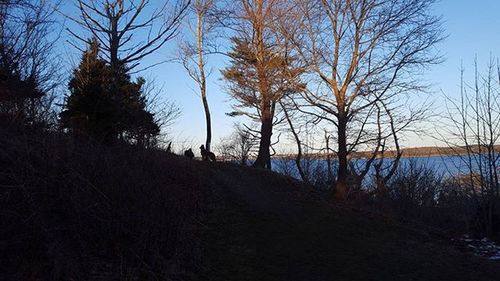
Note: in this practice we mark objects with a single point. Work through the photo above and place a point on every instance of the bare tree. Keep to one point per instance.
(193, 54)
(385, 171)
(129, 30)
(294, 128)
(360, 54)
(262, 70)
(28, 65)
(328, 156)
(239, 145)
(166, 112)
(472, 132)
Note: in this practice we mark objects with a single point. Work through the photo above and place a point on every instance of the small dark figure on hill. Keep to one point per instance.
(207, 155)
(189, 153)
(169, 148)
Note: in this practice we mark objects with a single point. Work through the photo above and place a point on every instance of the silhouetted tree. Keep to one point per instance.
(194, 52)
(262, 70)
(471, 130)
(255, 82)
(106, 105)
(27, 65)
(129, 30)
(239, 145)
(362, 56)
(288, 111)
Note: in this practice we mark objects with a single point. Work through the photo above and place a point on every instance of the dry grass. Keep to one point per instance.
(80, 211)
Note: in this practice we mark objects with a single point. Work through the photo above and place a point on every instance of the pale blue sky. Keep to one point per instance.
(472, 26)
(473, 29)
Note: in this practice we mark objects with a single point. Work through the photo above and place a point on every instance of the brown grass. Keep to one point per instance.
(78, 211)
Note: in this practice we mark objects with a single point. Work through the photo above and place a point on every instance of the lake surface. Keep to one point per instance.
(445, 165)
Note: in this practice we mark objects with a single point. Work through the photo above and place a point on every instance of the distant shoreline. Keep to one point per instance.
(412, 152)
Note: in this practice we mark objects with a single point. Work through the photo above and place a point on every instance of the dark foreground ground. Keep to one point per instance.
(270, 228)
(74, 211)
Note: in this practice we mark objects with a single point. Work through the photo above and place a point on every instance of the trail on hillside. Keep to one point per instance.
(270, 227)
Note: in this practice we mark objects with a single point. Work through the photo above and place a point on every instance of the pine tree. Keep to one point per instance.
(105, 105)
(89, 108)
(27, 65)
(259, 77)
(16, 94)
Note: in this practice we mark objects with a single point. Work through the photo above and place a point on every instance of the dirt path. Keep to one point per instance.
(269, 228)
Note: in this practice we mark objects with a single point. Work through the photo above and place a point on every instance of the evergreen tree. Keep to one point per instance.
(105, 105)
(16, 94)
(259, 77)
(27, 65)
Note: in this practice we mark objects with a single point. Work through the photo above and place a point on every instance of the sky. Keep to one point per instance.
(472, 28)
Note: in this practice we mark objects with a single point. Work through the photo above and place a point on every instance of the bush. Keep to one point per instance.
(315, 171)
(418, 192)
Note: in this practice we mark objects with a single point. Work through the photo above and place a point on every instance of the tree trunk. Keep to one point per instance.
(341, 187)
(328, 158)
(209, 124)
(264, 157)
(114, 45)
(298, 158)
(381, 188)
(203, 83)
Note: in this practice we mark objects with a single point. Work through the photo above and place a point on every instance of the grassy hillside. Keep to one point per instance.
(273, 228)
(79, 211)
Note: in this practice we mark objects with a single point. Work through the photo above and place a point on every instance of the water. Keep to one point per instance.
(441, 165)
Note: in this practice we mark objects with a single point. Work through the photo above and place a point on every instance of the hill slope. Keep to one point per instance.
(79, 211)
(269, 227)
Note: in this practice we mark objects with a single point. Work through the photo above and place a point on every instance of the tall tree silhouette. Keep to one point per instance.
(259, 77)
(105, 105)
(27, 65)
(363, 56)
(129, 30)
(194, 52)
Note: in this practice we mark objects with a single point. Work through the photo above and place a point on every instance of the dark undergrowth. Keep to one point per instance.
(320, 241)
(73, 210)
(450, 203)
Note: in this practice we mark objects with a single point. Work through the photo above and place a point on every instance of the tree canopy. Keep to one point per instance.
(106, 105)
